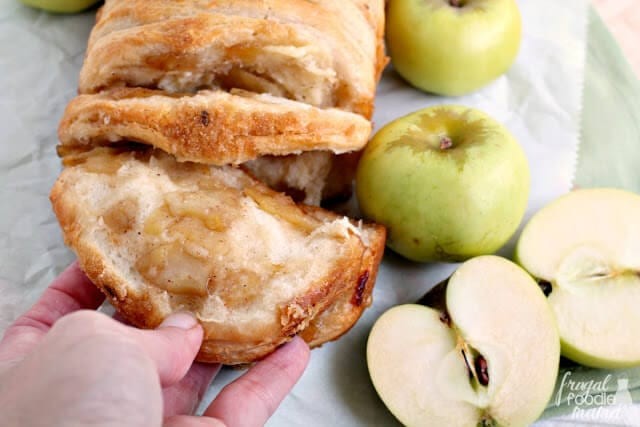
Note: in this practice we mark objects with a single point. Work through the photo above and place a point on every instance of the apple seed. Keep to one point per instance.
(482, 371)
(476, 364)
(545, 287)
(444, 318)
(487, 422)
(455, 3)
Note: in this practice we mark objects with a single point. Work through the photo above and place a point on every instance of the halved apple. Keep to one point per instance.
(584, 250)
(487, 354)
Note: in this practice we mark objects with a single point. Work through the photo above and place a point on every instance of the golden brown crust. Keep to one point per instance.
(142, 305)
(213, 127)
(296, 319)
(333, 46)
(345, 311)
(137, 307)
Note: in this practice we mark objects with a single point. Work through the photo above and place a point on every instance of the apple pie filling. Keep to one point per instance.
(208, 232)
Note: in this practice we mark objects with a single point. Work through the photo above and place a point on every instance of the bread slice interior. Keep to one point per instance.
(159, 236)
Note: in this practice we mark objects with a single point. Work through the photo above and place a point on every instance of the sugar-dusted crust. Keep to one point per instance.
(213, 127)
(240, 329)
(325, 53)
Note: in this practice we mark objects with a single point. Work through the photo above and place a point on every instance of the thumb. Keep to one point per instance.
(173, 346)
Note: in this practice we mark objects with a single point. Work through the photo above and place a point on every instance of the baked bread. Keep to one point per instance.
(311, 177)
(344, 312)
(159, 236)
(228, 97)
(324, 53)
(226, 81)
(213, 127)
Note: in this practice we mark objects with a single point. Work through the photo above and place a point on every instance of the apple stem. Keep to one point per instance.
(455, 3)
(445, 143)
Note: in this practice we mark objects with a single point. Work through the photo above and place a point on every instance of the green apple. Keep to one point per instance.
(452, 47)
(448, 182)
(61, 6)
(584, 249)
(487, 355)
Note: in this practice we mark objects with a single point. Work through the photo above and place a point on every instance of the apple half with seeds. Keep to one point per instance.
(485, 353)
(584, 250)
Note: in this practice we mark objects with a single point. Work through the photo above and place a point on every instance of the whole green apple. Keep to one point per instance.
(452, 47)
(61, 6)
(448, 182)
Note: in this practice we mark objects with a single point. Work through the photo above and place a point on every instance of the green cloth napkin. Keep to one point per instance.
(609, 156)
(609, 153)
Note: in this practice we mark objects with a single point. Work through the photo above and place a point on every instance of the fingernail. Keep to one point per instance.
(184, 321)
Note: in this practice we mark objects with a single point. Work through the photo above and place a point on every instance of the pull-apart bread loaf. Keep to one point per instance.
(159, 236)
(214, 127)
(224, 82)
(202, 134)
(325, 53)
(253, 126)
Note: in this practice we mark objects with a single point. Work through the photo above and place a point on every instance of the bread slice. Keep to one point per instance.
(324, 53)
(159, 236)
(312, 177)
(213, 127)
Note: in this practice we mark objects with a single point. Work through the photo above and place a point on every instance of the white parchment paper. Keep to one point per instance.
(40, 56)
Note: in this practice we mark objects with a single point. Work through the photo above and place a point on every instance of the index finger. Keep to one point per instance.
(253, 398)
(70, 291)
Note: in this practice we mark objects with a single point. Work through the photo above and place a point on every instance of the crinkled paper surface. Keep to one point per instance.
(40, 56)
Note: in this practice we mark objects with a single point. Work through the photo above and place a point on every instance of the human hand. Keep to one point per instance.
(62, 364)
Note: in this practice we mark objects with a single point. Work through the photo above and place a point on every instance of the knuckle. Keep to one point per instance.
(93, 329)
(82, 321)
